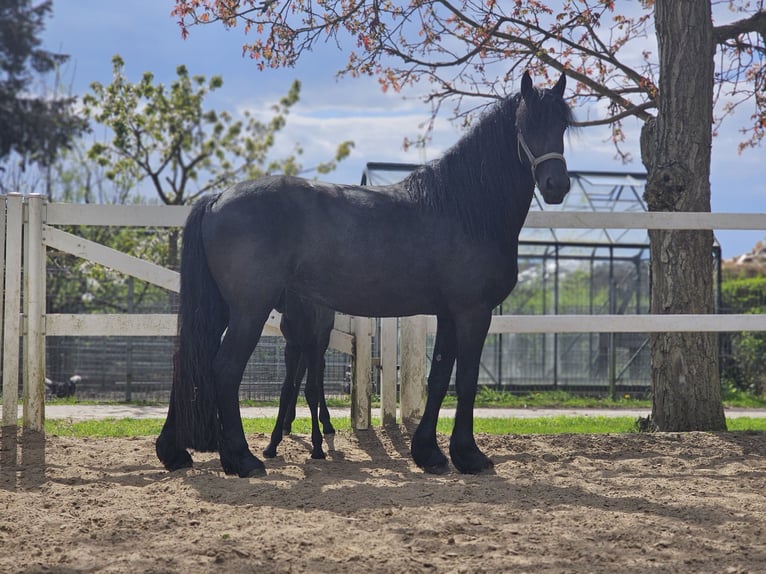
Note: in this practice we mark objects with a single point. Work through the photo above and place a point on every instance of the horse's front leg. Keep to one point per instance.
(425, 451)
(229, 364)
(471, 330)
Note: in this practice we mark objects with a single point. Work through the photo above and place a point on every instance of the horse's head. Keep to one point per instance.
(541, 120)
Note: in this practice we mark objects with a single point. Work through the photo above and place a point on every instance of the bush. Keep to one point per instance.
(742, 360)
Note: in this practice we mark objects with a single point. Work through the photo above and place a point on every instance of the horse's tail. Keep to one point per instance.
(202, 318)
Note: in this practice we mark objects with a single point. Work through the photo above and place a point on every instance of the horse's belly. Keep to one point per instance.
(399, 282)
(371, 292)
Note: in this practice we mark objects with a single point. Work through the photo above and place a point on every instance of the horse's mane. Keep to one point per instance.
(480, 180)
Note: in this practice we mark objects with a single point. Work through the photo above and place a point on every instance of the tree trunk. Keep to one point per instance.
(676, 151)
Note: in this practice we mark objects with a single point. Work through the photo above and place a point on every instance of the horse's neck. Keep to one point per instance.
(521, 210)
(518, 192)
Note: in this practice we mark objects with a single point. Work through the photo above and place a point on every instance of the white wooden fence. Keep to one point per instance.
(34, 220)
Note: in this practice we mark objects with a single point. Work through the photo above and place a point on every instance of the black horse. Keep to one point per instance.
(443, 241)
(306, 327)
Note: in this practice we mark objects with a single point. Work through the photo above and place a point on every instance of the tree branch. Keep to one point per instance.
(756, 23)
(633, 111)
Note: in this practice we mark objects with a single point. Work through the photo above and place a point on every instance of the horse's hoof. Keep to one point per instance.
(437, 468)
(182, 460)
(330, 440)
(253, 472)
(433, 462)
(473, 462)
(476, 468)
(270, 451)
(172, 457)
(248, 467)
(318, 454)
(286, 431)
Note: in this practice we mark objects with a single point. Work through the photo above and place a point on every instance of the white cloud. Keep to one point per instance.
(376, 138)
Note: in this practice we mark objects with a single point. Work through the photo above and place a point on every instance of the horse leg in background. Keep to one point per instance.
(241, 337)
(296, 370)
(324, 413)
(471, 331)
(306, 327)
(315, 359)
(425, 451)
(295, 367)
(324, 319)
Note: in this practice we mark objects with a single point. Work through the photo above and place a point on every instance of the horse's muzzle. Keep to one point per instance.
(554, 189)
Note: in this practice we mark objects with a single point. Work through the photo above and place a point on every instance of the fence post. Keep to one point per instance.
(413, 375)
(388, 374)
(3, 219)
(361, 387)
(12, 316)
(34, 274)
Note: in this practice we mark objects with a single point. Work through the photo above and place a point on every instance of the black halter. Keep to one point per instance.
(535, 161)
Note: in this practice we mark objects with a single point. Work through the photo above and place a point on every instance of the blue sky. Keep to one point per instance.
(143, 33)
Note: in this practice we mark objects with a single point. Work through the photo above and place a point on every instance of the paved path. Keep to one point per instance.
(90, 412)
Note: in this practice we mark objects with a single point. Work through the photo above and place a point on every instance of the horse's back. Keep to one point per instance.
(358, 250)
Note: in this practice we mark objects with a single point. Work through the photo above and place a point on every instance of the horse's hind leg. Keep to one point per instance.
(242, 335)
(313, 389)
(170, 454)
(295, 367)
(324, 413)
(425, 451)
(298, 371)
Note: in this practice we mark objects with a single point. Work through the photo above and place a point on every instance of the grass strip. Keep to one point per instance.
(540, 425)
(489, 397)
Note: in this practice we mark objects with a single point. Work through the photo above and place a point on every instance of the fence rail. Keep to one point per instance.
(645, 220)
(621, 323)
(34, 220)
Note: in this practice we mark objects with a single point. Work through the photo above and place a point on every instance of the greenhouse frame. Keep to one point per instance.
(572, 271)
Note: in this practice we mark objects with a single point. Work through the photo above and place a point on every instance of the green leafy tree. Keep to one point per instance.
(76, 285)
(465, 50)
(36, 127)
(166, 136)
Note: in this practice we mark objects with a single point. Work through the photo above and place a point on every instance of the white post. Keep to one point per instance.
(34, 272)
(12, 319)
(361, 385)
(413, 373)
(388, 374)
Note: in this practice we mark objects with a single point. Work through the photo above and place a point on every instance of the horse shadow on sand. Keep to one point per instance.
(372, 470)
(386, 479)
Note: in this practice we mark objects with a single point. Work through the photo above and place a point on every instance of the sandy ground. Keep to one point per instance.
(680, 503)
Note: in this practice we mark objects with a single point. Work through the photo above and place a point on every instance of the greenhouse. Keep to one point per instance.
(571, 271)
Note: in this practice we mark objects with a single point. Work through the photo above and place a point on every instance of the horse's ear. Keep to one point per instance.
(527, 90)
(558, 89)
